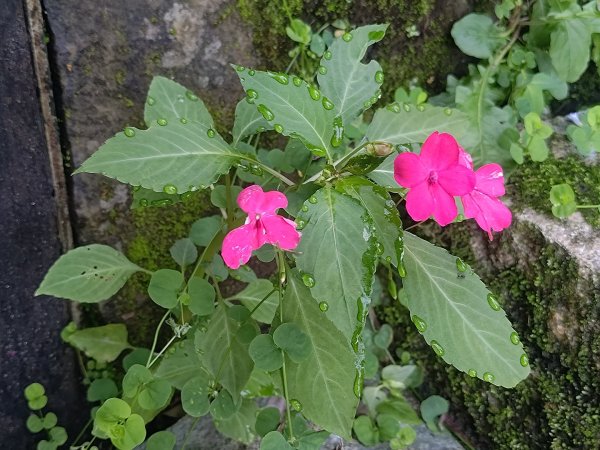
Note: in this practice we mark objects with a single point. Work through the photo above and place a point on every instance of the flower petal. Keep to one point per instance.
(253, 200)
(464, 158)
(444, 209)
(239, 243)
(408, 170)
(439, 151)
(490, 180)
(419, 202)
(280, 231)
(457, 180)
(489, 212)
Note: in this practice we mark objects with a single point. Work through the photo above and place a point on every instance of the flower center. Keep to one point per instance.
(433, 177)
(258, 217)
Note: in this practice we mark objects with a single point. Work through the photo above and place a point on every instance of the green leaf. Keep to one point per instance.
(275, 441)
(337, 254)
(34, 391)
(383, 213)
(112, 411)
(347, 82)
(202, 296)
(172, 101)
(133, 434)
(400, 409)
(46, 445)
(267, 420)
(50, 420)
(291, 339)
(205, 229)
(299, 31)
(37, 403)
(406, 124)
(265, 354)
(388, 426)
(224, 355)
(240, 425)
(552, 83)
(34, 424)
(402, 377)
(383, 175)
(194, 396)
(459, 317)
(101, 389)
(87, 274)
(562, 198)
(178, 367)
(383, 337)
(223, 405)
(248, 121)
(570, 48)
(289, 104)
(251, 296)
(432, 408)
(104, 343)
(476, 35)
(134, 380)
(161, 440)
(58, 435)
(174, 158)
(538, 150)
(366, 431)
(137, 356)
(154, 394)
(164, 287)
(184, 252)
(143, 198)
(323, 383)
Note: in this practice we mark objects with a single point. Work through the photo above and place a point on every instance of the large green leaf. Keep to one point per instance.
(104, 344)
(322, 383)
(570, 48)
(88, 274)
(181, 365)
(383, 175)
(247, 121)
(174, 158)
(240, 426)
(251, 296)
(459, 317)
(170, 100)
(383, 212)
(337, 255)
(225, 355)
(290, 103)
(344, 79)
(476, 35)
(405, 124)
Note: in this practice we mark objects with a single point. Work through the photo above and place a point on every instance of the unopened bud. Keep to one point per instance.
(381, 149)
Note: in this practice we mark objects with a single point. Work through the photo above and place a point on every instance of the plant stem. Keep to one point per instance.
(229, 203)
(268, 170)
(160, 324)
(162, 351)
(587, 206)
(89, 422)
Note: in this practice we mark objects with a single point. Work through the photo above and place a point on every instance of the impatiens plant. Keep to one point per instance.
(326, 210)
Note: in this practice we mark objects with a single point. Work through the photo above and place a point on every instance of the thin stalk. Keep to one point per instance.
(160, 324)
(587, 206)
(85, 427)
(162, 351)
(268, 170)
(228, 199)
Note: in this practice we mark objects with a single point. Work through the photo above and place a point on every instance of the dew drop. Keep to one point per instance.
(296, 404)
(261, 129)
(151, 101)
(281, 78)
(243, 167)
(448, 111)
(437, 348)
(460, 265)
(162, 202)
(323, 306)
(314, 93)
(170, 189)
(379, 248)
(191, 96)
(394, 107)
(266, 112)
(524, 360)
(327, 55)
(327, 104)
(251, 95)
(419, 323)
(359, 380)
(186, 195)
(312, 199)
(472, 373)
(240, 68)
(210, 133)
(514, 338)
(256, 170)
(300, 224)
(297, 81)
(162, 122)
(406, 107)
(347, 37)
(304, 208)
(183, 120)
(388, 259)
(421, 108)
(379, 77)
(322, 70)
(129, 132)
(493, 302)
(401, 270)
(308, 280)
(278, 128)
(489, 377)
(144, 202)
(251, 72)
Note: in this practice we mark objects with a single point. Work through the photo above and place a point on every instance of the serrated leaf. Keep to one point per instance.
(178, 367)
(291, 106)
(396, 125)
(224, 355)
(176, 157)
(323, 383)
(104, 344)
(251, 296)
(143, 198)
(348, 82)
(168, 99)
(383, 175)
(88, 274)
(456, 318)
(570, 48)
(476, 35)
(248, 121)
(184, 252)
(337, 254)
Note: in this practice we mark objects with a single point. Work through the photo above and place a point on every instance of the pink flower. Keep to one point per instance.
(482, 204)
(433, 178)
(263, 226)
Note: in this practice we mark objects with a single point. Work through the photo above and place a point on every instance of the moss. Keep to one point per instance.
(531, 184)
(556, 314)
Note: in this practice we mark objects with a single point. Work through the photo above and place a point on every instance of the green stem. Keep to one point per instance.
(587, 206)
(162, 351)
(85, 427)
(228, 199)
(268, 170)
(286, 395)
(160, 324)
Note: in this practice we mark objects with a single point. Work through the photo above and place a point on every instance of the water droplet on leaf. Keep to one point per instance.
(151, 101)
(312, 199)
(251, 95)
(300, 224)
(514, 338)
(308, 280)
(322, 70)
(323, 306)
(359, 379)
(210, 133)
(379, 77)
(406, 107)
(296, 404)
(129, 132)
(314, 93)
(460, 265)
(347, 37)
(524, 360)
(183, 120)
(489, 377)
(266, 112)
(162, 122)
(170, 189)
(448, 111)
(472, 373)
(437, 348)
(419, 323)
(278, 128)
(327, 104)
(297, 81)
(327, 55)
(190, 95)
(304, 208)
(493, 302)
(281, 78)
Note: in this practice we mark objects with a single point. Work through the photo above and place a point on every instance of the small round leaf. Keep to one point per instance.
(34, 390)
(265, 354)
(50, 420)
(202, 296)
(101, 389)
(293, 341)
(194, 397)
(162, 440)
(34, 424)
(267, 420)
(164, 287)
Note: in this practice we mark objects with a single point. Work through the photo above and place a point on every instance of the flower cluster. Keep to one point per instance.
(444, 170)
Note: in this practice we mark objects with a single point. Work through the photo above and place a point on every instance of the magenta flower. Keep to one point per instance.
(482, 204)
(433, 178)
(262, 226)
